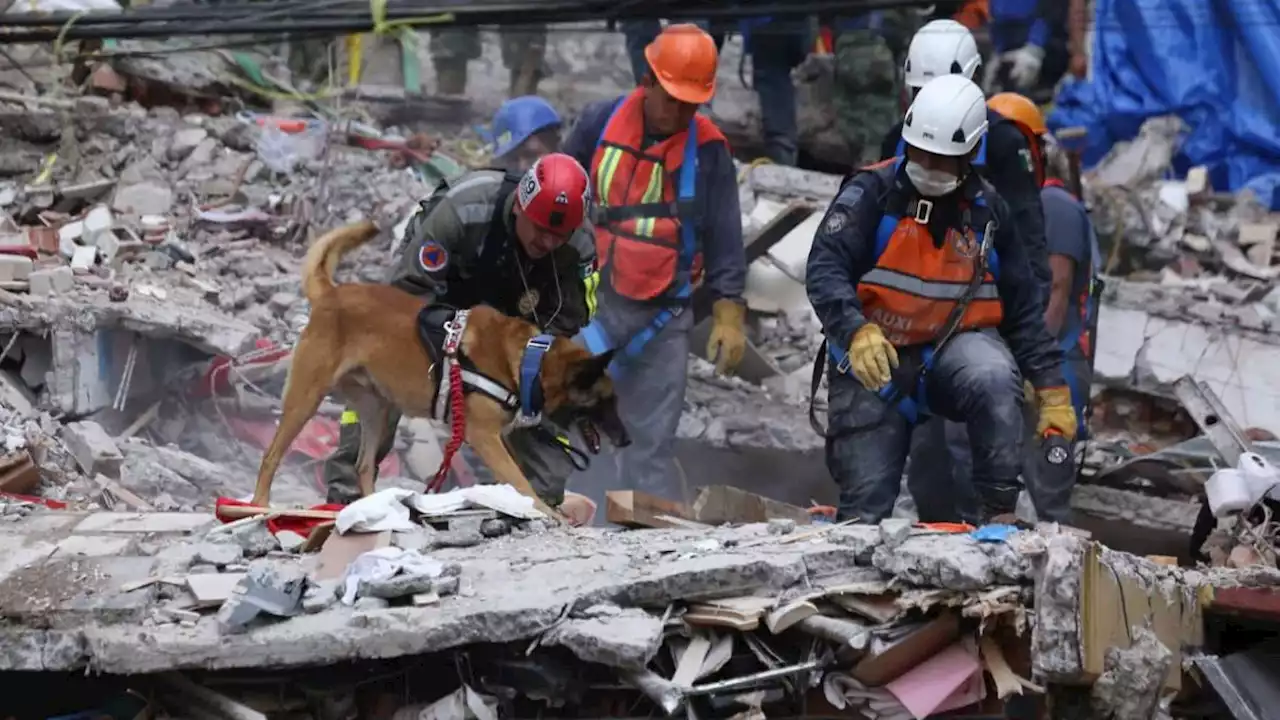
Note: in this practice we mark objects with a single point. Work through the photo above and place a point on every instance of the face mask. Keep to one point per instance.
(931, 183)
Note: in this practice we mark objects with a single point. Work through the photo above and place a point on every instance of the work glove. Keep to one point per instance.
(1056, 412)
(1024, 64)
(727, 342)
(872, 358)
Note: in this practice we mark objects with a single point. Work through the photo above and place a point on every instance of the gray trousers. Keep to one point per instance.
(650, 389)
(974, 380)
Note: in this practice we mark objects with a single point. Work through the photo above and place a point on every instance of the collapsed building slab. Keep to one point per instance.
(133, 604)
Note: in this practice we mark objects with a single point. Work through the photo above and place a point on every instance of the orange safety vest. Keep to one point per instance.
(914, 285)
(644, 227)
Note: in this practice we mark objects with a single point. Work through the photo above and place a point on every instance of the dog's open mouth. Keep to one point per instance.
(590, 435)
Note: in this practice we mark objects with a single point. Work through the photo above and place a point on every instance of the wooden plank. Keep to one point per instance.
(719, 504)
(634, 509)
(339, 550)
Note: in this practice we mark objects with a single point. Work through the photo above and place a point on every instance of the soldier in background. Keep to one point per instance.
(868, 96)
(523, 54)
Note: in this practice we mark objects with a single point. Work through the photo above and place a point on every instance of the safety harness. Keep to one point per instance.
(906, 390)
(443, 340)
(594, 334)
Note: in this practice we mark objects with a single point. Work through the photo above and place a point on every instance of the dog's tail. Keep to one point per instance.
(323, 256)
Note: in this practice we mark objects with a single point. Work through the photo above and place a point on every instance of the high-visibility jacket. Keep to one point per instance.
(645, 216)
(914, 284)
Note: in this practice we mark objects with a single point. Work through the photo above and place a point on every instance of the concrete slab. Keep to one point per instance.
(96, 545)
(66, 593)
(168, 523)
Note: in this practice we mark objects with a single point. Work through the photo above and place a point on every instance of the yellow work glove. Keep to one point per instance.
(1056, 412)
(727, 342)
(872, 358)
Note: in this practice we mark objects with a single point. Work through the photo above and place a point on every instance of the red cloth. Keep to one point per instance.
(302, 526)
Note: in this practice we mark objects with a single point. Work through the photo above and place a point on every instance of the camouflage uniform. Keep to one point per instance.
(867, 82)
(523, 54)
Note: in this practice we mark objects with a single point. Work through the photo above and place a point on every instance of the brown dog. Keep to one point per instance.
(362, 341)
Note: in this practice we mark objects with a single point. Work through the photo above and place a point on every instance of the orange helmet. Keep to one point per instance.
(683, 59)
(1019, 109)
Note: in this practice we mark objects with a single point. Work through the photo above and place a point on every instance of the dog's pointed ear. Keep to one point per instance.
(593, 368)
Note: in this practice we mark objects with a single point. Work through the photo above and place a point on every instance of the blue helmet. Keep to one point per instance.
(517, 119)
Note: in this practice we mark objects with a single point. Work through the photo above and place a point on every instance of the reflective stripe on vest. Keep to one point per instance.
(913, 285)
(645, 229)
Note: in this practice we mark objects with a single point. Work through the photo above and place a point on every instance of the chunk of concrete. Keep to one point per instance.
(255, 539)
(268, 588)
(628, 639)
(219, 553)
(144, 198)
(15, 268)
(94, 450)
(97, 223)
(53, 281)
(83, 259)
(185, 141)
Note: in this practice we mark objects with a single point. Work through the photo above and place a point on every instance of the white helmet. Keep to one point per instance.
(941, 47)
(948, 117)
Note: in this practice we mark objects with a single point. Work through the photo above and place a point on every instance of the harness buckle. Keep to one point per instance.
(523, 420)
(924, 211)
(538, 344)
(845, 365)
(453, 333)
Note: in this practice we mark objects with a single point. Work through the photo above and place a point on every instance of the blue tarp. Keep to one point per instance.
(1215, 63)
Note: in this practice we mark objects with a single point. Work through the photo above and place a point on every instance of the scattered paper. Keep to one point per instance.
(383, 564)
(381, 511)
(501, 498)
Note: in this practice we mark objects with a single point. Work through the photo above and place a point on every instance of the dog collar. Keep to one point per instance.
(531, 398)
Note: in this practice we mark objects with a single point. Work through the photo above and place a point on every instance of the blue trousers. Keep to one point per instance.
(974, 380)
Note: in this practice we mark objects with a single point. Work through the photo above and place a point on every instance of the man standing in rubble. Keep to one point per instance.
(667, 214)
(913, 271)
(528, 254)
(523, 54)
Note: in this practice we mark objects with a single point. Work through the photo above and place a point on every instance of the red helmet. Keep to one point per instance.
(555, 194)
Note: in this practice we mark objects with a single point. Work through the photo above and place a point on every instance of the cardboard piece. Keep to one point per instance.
(339, 550)
(950, 679)
(889, 660)
(634, 509)
(1109, 599)
(719, 504)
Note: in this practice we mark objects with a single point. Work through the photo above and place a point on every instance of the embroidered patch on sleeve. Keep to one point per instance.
(432, 257)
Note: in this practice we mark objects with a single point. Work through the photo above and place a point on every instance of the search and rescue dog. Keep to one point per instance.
(361, 342)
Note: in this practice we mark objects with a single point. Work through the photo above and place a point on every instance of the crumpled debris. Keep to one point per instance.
(1132, 678)
(384, 564)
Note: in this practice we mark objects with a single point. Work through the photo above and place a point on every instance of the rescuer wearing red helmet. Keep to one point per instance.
(517, 243)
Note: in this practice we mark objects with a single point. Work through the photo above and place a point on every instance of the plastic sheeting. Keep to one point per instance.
(1215, 64)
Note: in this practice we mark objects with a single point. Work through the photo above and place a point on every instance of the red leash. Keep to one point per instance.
(457, 427)
(457, 420)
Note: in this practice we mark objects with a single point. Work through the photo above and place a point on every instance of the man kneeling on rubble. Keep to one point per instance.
(518, 244)
(915, 267)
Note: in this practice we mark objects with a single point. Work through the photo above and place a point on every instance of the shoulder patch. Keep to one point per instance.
(432, 257)
(1025, 155)
(835, 222)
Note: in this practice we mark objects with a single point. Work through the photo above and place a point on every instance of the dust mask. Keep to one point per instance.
(931, 183)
